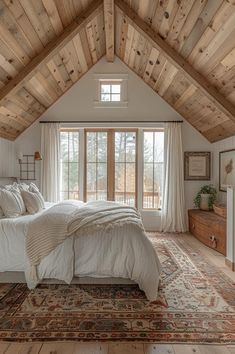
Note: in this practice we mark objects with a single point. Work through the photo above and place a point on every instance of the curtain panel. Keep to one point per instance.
(173, 217)
(50, 169)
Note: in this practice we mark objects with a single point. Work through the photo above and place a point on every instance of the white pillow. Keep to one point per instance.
(33, 188)
(22, 186)
(7, 186)
(34, 202)
(12, 203)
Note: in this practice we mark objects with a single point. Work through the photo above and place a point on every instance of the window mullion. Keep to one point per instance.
(82, 163)
(125, 168)
(153, 206)
(139, 168)
(68, 185)
(96, 165)
(111, 164)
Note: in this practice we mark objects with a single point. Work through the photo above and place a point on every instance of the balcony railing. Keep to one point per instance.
(150, 200)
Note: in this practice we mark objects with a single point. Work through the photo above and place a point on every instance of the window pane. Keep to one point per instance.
(120, 142)
(69, 184)
(73, 179)
(116, 88)
(96, 166)
(120, 182)
(130, 177)
(105, 97)
(119, 177)
(102, 146)
(65, 179)
(91, 181)
(158, 185)
(91, 146)
(73, 146)
(105, 88)
(148, 146)
(125, 167)
(101, 181)
(74, 195)
(158, 146)
(115, 98)
(153, 169)
(130, 147)
(64, 145)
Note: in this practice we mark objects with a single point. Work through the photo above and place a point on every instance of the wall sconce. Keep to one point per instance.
(37, 156)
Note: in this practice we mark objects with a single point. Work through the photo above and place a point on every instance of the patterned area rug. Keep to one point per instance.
(196, 303)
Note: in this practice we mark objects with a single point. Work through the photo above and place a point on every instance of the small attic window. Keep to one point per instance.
(110, 91)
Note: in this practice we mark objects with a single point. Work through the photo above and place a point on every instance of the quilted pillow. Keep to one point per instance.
(11, 203)
(21, 186)
(34, 202)
(33, 188)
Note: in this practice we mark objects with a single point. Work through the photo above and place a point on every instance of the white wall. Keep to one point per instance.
(143, 105)
(222, 145)
(194, 141)
(27, 143)
(7, 158)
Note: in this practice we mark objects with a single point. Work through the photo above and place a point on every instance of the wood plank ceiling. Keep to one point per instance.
(183, 49)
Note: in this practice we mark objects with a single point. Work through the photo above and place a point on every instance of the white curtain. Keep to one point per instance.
(50, 169)
(173, 208)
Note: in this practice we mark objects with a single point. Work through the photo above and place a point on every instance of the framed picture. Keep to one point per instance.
(226, 169)
(197, 166)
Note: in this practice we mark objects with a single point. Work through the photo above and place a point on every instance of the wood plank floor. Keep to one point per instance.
(129, 347)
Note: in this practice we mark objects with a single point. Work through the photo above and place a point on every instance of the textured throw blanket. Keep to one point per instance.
(64, 219)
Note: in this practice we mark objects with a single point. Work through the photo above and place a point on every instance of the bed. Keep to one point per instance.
(122, 254)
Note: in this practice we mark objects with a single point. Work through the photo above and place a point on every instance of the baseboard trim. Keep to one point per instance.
(230, 264)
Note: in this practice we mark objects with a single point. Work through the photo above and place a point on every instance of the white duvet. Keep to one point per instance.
(123, 252)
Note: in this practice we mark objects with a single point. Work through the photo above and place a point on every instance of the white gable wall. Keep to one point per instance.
(143, 105)
(7, 158)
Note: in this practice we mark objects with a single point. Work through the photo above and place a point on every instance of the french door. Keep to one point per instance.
(110, 165)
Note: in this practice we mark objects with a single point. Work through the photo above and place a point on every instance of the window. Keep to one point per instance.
(115, 180)
(96, 166)
(153, 169)
(101, 164)
(69, 164)
(110, 92)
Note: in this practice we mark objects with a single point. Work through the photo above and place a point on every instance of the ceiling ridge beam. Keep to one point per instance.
(109, 29)
(52, 48)
(176, 59)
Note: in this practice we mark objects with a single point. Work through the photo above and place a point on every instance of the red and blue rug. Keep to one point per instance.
(196, 304)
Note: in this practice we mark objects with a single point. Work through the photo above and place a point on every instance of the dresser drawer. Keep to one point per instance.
(212, 234)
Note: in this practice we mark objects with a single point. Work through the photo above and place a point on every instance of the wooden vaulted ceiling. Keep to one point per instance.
(183, 49)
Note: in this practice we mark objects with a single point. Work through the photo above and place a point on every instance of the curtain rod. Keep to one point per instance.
(105, 121)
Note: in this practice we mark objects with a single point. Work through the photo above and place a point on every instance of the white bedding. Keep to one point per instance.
(122, 252)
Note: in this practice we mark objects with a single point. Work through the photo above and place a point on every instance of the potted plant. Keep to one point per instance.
(205, 197)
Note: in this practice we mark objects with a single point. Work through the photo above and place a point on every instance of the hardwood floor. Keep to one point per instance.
(129, 347)
(111, 348)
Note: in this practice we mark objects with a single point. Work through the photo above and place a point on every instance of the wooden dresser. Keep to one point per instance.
(209, 228)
